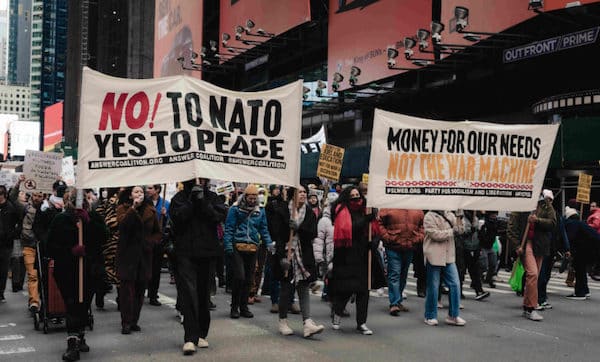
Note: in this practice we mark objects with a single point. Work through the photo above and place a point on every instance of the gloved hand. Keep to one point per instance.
(271, 248)
(197, 193)
(78, 250)
(294, 225)
(285, 264)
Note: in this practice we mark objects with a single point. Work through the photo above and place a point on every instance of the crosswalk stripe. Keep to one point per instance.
(11, 337)
(14, 350)
(7, 325)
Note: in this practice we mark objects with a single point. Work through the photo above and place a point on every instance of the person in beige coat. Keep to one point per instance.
(439, 252)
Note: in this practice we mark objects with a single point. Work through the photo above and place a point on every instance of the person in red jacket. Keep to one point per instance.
(400, 230)
(594, 219)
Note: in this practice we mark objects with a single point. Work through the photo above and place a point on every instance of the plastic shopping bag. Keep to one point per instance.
(516, 277)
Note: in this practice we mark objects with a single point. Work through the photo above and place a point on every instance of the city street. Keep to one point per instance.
(495, 331)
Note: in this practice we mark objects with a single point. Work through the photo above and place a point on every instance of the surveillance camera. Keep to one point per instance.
(238, 36)
(335, 87)
(423, 45)
(437, 38)
(408, 53)
(461, 24)
(391, 62)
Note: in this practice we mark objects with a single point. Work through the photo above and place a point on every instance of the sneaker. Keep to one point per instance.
(34, 308)
(126, 330)
(402, 308)
(440, 305)
(136, 328)
(533, 315)
(431, 322)
(364, 330)
(543, 306)
(155, 302)
(456, 321)
(336, 321)
(310, 328)
(294, 309)
(234, 313)
(211, 305)
(246, 313)
(274, 308)
(202, 343)
(482, 295)
(284, 328)
(394, 310)
(576, 297)
(460, 306)
(588, 295)
(189, 348)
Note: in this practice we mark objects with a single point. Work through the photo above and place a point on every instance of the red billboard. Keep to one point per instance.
(177, 31)
(53, 125)
(267, 17)
(561, 4)
(484, 16)
(361, 30)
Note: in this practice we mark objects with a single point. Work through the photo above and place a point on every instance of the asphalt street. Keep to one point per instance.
(495, 331)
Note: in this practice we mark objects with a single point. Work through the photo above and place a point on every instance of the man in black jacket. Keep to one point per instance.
(8, 222)
(195, 213)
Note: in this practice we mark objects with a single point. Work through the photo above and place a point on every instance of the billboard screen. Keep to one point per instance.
(484, 16)
(273, 17)
(561, 4)
(53, 125)
(24, 135)
(361, 30)
(177, 30)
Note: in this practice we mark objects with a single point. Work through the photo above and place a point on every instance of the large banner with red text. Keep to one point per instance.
(150, 131)
(425, 164)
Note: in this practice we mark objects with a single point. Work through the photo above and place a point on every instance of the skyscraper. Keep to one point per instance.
(37, 15)
(3, 43)
(19, 42)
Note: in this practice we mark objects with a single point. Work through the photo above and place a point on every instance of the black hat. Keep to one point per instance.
(59, 183)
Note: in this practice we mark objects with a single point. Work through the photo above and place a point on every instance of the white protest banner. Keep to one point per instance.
(151, 131)
(424, 164)
(68, 171)
(315, 142)
(8, 178)
(41, 170)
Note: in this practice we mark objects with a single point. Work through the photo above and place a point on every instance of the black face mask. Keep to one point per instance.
(355, 198)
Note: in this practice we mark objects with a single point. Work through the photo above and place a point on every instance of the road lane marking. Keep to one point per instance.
(11, 337)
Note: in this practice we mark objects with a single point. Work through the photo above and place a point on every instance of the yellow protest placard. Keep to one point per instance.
(365, 178)
(330, 162)
(583, 188)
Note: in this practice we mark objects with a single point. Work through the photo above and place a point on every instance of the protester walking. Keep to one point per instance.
(470, 249)
(162, 212)
(8, 224)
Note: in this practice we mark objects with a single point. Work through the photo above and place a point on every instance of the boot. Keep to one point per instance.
(83, 347)
(72, 353)
(284, 328)
(310, 328)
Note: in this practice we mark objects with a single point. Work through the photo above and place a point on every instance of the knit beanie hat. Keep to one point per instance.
(251, 190)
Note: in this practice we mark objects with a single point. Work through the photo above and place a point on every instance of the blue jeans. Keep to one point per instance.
(451, 280)
(397, 268)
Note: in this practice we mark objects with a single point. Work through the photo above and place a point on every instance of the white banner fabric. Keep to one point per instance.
(424, 164)
(315, 142)
(151, 131)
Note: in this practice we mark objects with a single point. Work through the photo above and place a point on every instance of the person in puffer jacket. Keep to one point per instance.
(245, 222)
(323, 243)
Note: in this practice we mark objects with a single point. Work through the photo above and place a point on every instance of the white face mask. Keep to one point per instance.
(104, 194)
(261, 199)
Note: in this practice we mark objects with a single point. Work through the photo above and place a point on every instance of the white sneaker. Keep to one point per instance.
(456, 321)
(533, 315)
(310, 328)
(431, 322)
(335, 323)
(202, 343)
(460, 306)
(189, 348)
(284, 328)
(364, 330)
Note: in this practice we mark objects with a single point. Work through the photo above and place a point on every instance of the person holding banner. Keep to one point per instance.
(440, 261)
(350, 272)
(162, 206)
(296, 266)
(245, 228)
(67, 245)
(139, 231)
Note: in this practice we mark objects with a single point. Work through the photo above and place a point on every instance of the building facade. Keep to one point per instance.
(35, 74)
(19, 42)
(15, 100)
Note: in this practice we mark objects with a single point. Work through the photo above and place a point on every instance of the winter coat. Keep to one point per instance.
(63, 235)
(323, 243)
(544, 227)
(194, 224)
(350, 265)
(139, 231)
(278, 215)
(8, 224)
(35, 225)
(583, 239)
(488, 232)
(469, 240)
(307, 231)
(438, 245)
(401, 229)
(245, 226)
(594, 220)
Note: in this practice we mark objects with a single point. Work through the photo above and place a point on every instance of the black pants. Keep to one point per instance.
(4, 264)
(471, 263)
(131, 299)
(157, 256)
(192, 278)
(419, 269)
(261, 257)
(581, 281)
(242, 267)
(362, 305)
(17, 266)
(77, 313)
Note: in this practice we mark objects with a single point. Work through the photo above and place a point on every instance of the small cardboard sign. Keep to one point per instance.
(584, 187)
(330, 162)
(41, 170)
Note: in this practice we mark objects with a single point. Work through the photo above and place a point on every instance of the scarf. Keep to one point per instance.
(342, 230)
(299, 271)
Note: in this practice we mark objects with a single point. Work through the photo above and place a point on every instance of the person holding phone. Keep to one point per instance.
(139, 231)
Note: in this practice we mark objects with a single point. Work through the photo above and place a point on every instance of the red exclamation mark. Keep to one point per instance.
(156, 103)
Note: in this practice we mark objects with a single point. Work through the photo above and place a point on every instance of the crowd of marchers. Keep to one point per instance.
(283, 242)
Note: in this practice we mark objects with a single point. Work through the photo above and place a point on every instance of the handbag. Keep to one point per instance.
(516, 276)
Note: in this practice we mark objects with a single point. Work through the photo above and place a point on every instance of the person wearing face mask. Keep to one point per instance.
(296, 266)
(245, 228)
(64, 248)
(139, 231)
(350, 257)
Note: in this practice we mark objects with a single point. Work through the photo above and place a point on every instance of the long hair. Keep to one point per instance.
(344, 199)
